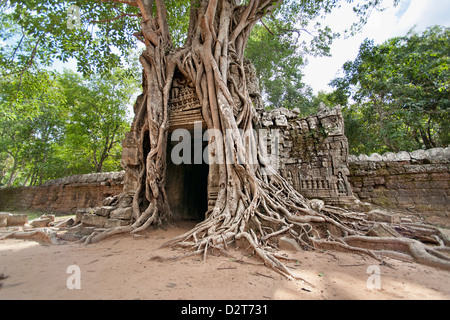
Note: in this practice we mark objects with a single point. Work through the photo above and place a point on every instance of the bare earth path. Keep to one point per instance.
(120, 267)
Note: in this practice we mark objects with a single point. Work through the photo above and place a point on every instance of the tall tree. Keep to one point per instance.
(97, 121)
(401, 90)
(31, 126)
(254, 202)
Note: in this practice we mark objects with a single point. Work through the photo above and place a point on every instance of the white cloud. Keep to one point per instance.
(427, 13)
(381, 26)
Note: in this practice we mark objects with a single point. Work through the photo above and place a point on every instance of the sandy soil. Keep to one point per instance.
(120, 267)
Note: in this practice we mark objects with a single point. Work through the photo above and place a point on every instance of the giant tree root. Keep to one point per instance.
(420, 252)
(211, 235)
(309, 232)
(44, 235)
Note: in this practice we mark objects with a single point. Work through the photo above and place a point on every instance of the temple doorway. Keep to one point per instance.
(187, 184)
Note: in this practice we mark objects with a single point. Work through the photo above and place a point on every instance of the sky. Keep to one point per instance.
(394, 21)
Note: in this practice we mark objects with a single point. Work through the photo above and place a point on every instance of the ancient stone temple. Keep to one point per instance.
(311, 153)
(190, 185)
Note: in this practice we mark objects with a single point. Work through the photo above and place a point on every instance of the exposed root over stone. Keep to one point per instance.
(43, 235)
(201, 239)
(254, 203)
(331, 229)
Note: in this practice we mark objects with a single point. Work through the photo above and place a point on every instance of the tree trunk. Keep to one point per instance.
(254, 202)
(13, 174)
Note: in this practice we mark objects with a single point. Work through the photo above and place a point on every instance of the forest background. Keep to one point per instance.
(56, 122)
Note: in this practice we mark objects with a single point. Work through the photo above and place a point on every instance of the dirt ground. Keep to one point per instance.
(121, 267)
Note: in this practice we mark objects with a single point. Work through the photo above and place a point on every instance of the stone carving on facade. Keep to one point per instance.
(184, 105)
(183, 96)
(312, 155)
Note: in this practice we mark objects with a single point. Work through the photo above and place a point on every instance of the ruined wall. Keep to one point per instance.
(312, 153)
(313, 156)
(418, 181)
(65, 195)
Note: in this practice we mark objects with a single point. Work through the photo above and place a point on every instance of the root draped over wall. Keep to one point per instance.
(254, 203)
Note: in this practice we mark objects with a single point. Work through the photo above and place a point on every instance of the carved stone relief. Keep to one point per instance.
(184, 105)
(314, 153)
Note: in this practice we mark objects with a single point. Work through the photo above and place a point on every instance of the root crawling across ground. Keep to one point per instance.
(254, 204)
(329, 228)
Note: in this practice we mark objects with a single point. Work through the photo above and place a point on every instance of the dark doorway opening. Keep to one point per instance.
(187, 184)
(195, 200)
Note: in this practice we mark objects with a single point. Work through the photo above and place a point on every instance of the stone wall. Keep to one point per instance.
(418, 181)
(64, 195)
(312, 153)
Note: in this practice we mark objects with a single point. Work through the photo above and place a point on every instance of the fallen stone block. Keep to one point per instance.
(64, 223)
(93, 220)
(17, 220)
(40, 222)
(104, 211)
(48, 216)
(383, 231)
(122, 213)
(113, 223)
(288, 244)
(86, 231)
(79, 214)
(382, 216)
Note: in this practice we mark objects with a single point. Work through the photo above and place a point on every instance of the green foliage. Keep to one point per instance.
(401, 92)
(178, 20)
(97, 120)
(31, 126)
(37, 31)
(279, 68)
(54, 125)
(280, 44)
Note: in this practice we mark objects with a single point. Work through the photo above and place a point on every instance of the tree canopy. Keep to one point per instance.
(98, 34)
(400, 90)
(54, 125)
(253, 202)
